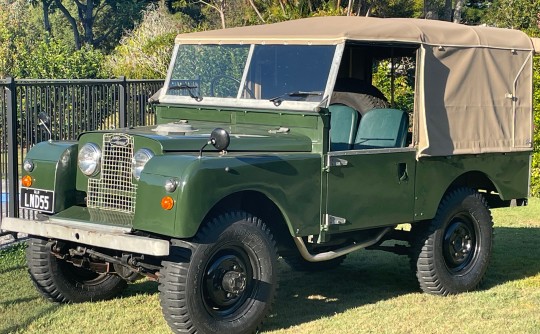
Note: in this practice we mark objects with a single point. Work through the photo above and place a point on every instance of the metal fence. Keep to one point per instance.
(74, 106)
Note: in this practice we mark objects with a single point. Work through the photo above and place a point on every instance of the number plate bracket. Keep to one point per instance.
(37, 199)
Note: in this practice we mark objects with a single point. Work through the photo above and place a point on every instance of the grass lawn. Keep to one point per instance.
(372, 292)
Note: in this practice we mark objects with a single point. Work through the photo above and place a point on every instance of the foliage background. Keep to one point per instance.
(109, 38)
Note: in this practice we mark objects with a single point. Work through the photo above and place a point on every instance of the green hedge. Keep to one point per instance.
(535, 172)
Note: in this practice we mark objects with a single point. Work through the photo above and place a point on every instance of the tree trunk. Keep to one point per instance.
(457, 11)
(72, 23)
(46, 22)
(431, 10)
(363, 8)
(219, 6)
(86, 15)
(350, 7)
(222, 13)
(256, 10)
(447, 10)
(282, 8)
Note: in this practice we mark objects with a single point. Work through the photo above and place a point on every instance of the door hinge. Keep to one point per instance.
(330, 220)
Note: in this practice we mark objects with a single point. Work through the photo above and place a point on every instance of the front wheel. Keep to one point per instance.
(226, 283)
(451, 253)
(62, 282)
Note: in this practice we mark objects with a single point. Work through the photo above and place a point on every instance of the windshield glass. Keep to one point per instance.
(274, 73)
(288, 72)
(208, 70)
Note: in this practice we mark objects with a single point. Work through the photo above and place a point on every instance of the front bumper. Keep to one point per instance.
(112, 237)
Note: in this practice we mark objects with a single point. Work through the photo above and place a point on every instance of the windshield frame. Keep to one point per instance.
(242, 103)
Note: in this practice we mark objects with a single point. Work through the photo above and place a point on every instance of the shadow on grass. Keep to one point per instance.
(14, 268)
(365, 277)
(27, 322)
(6, 303)
(141, 287)
(516, 255)
(368, 277)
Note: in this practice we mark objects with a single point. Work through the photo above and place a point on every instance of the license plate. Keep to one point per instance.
(37, 199)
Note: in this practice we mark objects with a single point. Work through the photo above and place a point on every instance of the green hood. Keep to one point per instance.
(243, 138)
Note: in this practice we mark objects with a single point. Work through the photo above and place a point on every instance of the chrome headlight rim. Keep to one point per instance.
(140, 158)
(171, 184)
(89, 159)
(28, 165)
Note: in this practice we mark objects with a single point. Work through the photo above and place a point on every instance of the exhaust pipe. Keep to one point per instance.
(338, 252)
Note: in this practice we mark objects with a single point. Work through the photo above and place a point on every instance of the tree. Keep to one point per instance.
(535, 170)
(471, 12)
(145, 52)
(219, 6)
(458, 10)
(93, 22)
(252, 4)
(514, 14)
(385, 8)
(16, 37)
(53, 59)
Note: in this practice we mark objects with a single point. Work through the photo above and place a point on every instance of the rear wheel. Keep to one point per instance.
(61, 281)
(226, 283)
(451, 253)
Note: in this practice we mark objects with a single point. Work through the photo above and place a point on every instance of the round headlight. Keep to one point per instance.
(171, 185)
(89, 158)
(28, 165)
(140, 159)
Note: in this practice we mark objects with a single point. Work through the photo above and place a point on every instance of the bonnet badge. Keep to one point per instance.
(119, 141)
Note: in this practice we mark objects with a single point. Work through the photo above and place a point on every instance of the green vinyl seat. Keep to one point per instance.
(343, 125)
(381, 128)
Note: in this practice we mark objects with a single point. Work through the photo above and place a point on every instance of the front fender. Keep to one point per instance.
(291, 180)
(55, 165)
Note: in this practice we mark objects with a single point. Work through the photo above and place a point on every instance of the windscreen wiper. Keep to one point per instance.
(278, 99)
(189, 89)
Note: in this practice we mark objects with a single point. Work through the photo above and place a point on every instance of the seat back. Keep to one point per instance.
(343, 125)
(381, 128)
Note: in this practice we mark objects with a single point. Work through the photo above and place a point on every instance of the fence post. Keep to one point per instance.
(13, 157)
(123, 102)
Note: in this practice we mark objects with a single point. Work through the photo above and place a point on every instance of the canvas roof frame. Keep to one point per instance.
(474, 84)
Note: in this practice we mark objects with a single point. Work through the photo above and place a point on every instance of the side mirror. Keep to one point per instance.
(220, 139)
(45, 120)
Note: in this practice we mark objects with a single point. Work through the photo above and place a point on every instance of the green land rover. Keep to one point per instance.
(274, 141)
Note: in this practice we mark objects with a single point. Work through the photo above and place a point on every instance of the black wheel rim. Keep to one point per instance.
(228, 281)
(460, 244)
(81, 276)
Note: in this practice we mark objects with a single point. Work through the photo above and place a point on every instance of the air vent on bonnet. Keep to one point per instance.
(176, 128)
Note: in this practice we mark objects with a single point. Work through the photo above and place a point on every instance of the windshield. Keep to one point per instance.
(208, 70)
(295, 72)
(273, 73)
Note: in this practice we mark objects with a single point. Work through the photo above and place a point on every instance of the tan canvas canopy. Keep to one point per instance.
(474, 84)
(336, 29)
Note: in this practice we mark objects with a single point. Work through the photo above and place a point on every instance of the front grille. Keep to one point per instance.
(114, 189)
